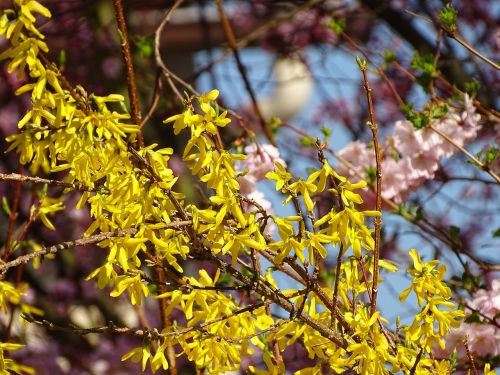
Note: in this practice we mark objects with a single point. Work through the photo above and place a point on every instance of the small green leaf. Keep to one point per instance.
(437, 110)
(473, 318)
(326, 131)
(496, 233)
(145, 45)
(306, 141)
(472, 87)
(454, 232)
(6, 207)
(389, 56)
(337, 26)
(62, 58)
(371, 174)
(361, 63)
(419, 215)
(448, 17)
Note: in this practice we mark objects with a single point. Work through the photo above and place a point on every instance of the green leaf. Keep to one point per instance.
(306, 141)
(326, 131)
(371, 174)
(6, 207)
(389, 56)
(337, 26)
(473, 318)
(424, 64)
(496, 233)
(437, 110)
(454, 232)
(472, 87)
(448, 17)
(62, 58)
(145, 45)
(361, 63)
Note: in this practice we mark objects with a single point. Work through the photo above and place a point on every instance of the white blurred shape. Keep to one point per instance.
(292, 90)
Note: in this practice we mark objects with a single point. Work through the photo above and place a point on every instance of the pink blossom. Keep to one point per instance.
(260, 199)
(261, 159)
(394, 178)
(470, 119)
(423, 166)
(359, 155)
(247, 184)
(488, 301)
(482, 338)
(409, 141)
(497, 130)
(449, 126)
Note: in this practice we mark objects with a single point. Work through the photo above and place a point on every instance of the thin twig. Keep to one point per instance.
(129, 65)
(472, 50)
(155, 100)
(481, 165)
(38, 180)
(378, 219)
(471, 358)
(158, 58)
(12, 218)
(80, 242)
(241, 68)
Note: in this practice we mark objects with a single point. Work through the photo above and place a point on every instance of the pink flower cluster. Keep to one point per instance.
(418, 152)
(483, 339)
(260, 160)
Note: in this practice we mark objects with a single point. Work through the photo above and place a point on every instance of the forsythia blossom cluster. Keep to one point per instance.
(418, 152)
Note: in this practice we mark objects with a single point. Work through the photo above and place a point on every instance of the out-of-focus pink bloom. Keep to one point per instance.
(261, 159)
(394, 180)
(247, 184)
(482, 338)
(497, 130)
(259, 198)
(422, 166)
(177, 165)
(449, 126)
(488, 301)
(359, 155)
(409, 141)
(420, 151)
(469, 117)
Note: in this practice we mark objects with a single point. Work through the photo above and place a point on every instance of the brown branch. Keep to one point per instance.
(241, 68)
(155, 100)
(279, 299)
(378, 219)
(471, 358)
(129, 66)
(462, 149)
(12, 218)
(151, 334)
(80, 242)
(38, 180)
(159, 61)
(471, 49)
